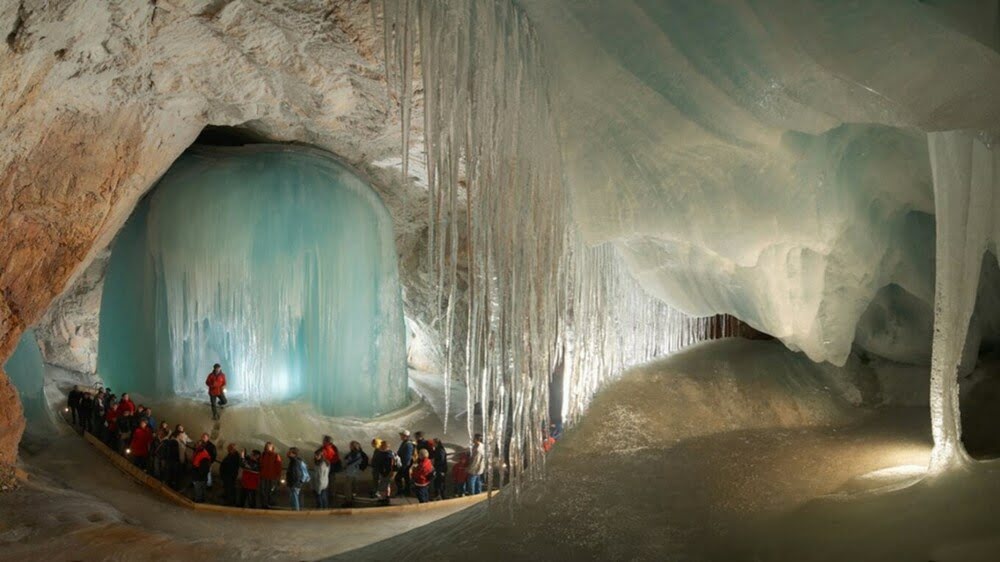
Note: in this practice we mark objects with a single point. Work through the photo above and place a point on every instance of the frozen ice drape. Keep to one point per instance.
(279, 264)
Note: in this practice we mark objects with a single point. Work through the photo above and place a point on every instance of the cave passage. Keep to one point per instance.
(276, 262)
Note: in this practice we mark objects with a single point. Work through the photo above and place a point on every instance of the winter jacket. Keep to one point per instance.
(250, 480)
(213, 453)
(111, 418)
(168, 451)
(382, 463)
(405, 453)
(270, 466)
(477, 461)
(182, 441)
(86, 405)
(230, 467)
(142, 437)
(355, 463)
(332, 456)
(293, 474)
(460, 472)
(440, 460)
(322, 474)
(126, 405)
(201, 464)
(125, 427)
(422, 473)
(215, 383)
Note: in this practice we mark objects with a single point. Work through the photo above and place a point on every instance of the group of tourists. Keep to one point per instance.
(418, 466)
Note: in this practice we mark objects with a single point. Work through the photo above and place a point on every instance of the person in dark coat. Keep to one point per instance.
(85, 410)
(384, 466)
(171, 451)
(440, 459)
(125, 427)
(229, 469)
(213, 452)
(405, 453)
(73, 403)
(422, 443)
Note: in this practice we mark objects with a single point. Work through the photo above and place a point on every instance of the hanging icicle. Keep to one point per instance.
(533, 294)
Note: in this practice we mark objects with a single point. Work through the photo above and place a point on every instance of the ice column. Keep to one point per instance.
(535, 294)
(279, 264)
(966, 198)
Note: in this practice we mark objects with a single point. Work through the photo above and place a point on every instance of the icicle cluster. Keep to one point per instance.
(519, 290)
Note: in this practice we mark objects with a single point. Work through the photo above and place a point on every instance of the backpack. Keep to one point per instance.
(304, 477)
(364, 461)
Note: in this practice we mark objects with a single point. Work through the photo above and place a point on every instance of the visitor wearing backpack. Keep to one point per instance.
(354, 464)
(383, 464)
(296, 476)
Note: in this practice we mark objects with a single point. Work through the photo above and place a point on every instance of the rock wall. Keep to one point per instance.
(97, 99)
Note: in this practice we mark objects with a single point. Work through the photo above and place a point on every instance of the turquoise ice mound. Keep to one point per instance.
(276, 262)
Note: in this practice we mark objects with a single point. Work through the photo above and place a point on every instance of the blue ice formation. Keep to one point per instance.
(276, 262)
(26, 371)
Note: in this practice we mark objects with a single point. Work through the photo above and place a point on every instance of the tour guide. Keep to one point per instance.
(216, 383)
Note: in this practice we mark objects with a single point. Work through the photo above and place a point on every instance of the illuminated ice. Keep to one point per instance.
(279, 264)
(26, 371)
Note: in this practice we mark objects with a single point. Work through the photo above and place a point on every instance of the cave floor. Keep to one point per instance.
(662, 467)
(720, 497)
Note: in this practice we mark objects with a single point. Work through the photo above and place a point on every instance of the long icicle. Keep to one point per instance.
(508, 265)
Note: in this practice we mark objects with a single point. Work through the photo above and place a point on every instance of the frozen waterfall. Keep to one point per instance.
(278, 263)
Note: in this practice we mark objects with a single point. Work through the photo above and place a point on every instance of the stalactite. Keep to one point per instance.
(536, 294)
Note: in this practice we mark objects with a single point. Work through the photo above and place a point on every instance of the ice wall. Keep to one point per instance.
(26, 371)
(279, 264)
(765, 158)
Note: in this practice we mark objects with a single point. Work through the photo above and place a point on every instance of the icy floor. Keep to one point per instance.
(805, 478)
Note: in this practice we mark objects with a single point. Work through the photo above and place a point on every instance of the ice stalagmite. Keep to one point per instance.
(967, 198)
(536, 295)
(279, 264)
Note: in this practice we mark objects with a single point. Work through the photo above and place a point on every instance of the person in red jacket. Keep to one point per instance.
(270, 474)
(126, 404)
(249, 478)
(111, 422)
(421, 473)
(460, 474)
(332, 457)
(142, 437)
(216, 383)
(201, 465)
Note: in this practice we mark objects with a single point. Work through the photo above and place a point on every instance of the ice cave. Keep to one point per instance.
(500, 280)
